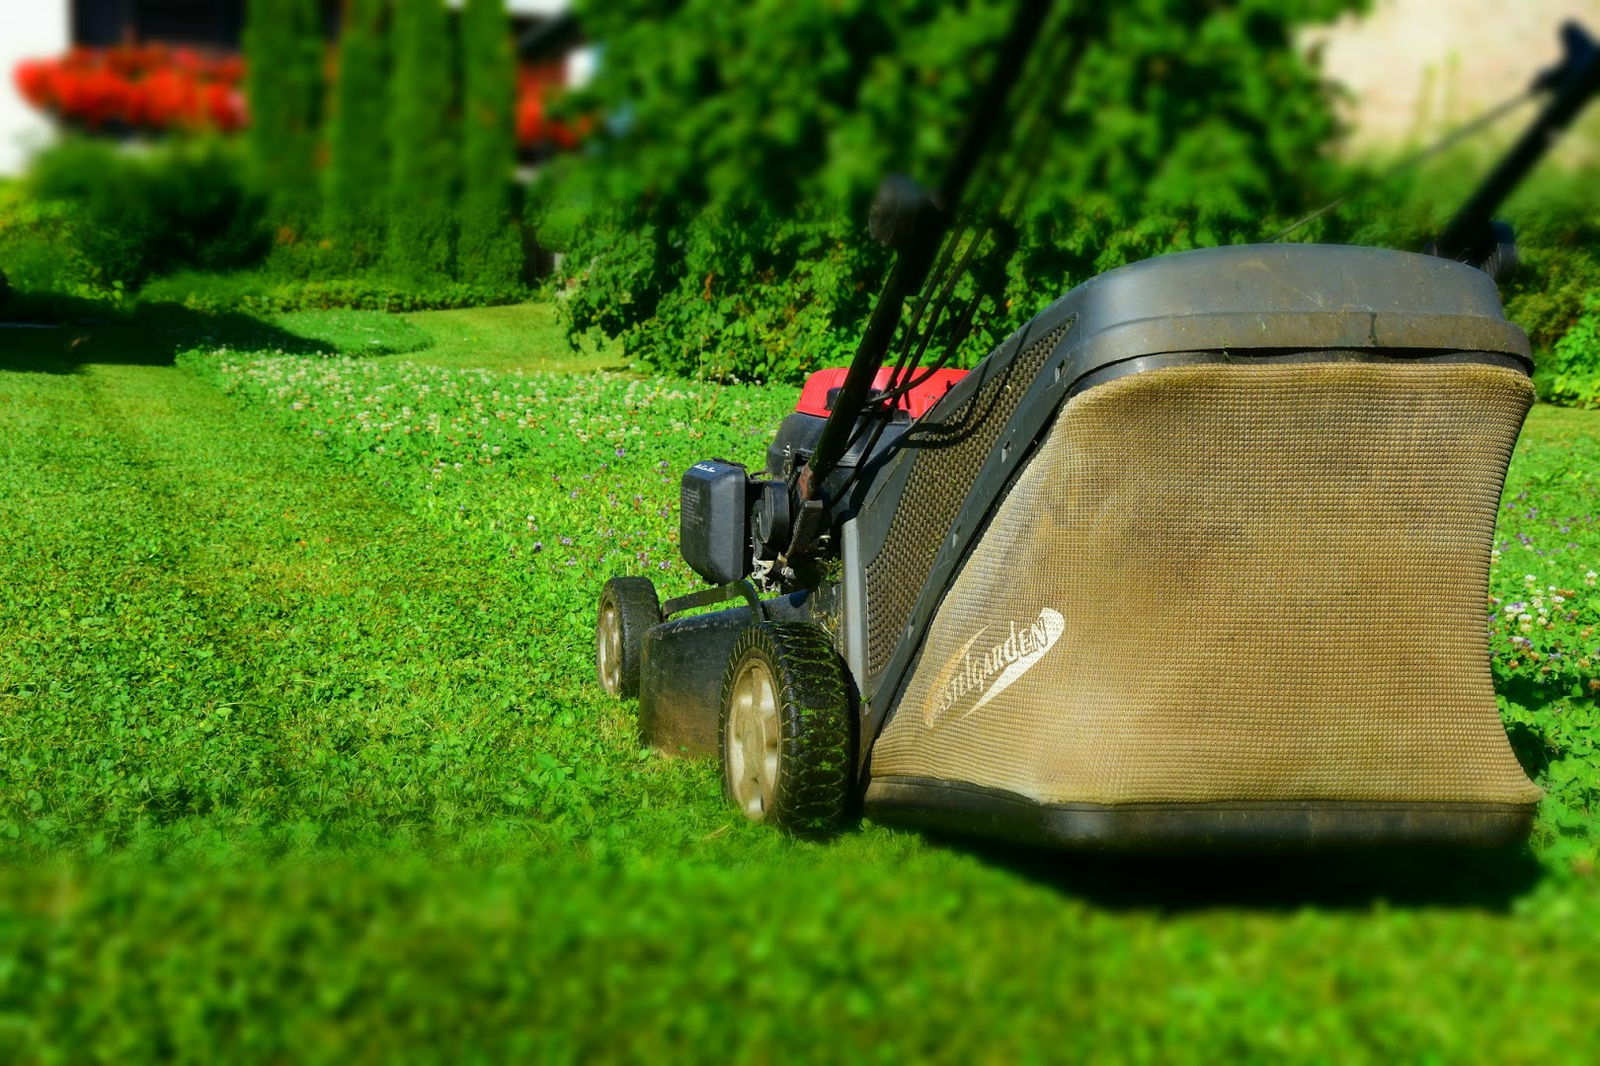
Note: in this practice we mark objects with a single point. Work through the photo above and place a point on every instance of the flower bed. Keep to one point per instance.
(144, 88)
(156, 89)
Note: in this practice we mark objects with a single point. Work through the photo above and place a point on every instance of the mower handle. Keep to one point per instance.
(916, 248)
(1470, 236)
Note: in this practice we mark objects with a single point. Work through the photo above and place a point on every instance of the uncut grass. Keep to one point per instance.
(304, 762)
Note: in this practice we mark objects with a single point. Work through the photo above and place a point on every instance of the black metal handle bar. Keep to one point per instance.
(914, 257)
(1469, 236)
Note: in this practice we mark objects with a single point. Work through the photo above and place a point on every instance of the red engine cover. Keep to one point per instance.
(816, 397)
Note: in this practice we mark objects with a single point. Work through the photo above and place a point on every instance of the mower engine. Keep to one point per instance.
(733, 526)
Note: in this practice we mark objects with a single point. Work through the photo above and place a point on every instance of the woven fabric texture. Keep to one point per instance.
(937, 486)
(1234, 583)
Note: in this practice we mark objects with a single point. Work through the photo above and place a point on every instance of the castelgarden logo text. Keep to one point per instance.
(983, 676)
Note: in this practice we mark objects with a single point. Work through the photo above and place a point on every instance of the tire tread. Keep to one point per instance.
(816, 758)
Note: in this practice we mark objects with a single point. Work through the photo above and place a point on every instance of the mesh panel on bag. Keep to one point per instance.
(934, 492)
(1233, 582)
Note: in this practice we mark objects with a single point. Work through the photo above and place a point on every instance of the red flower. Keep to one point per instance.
(32, 78)
(173, 99)
(148, 86)
(531, 126)
(229, 70)
(224, 107)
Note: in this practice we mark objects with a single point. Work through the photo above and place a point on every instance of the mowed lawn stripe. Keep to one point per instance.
(207, 619)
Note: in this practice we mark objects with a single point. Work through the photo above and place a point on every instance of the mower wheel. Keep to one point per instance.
(628, 607)
(786, 731)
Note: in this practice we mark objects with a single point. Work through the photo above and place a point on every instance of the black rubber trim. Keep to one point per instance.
(973, 810)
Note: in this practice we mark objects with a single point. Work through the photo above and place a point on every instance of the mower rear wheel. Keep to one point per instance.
(628, 607)
(786, 730)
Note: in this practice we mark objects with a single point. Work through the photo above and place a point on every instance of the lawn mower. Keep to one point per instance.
(1196, 559)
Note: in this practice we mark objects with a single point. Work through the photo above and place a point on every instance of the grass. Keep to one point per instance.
(501, 338)
(303, 762)
(505, 338)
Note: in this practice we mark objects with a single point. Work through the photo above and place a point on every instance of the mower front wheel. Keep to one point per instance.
(786, 730)
(628, 607)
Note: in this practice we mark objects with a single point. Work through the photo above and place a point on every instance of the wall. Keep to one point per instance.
(1417, 68)
(28, 29)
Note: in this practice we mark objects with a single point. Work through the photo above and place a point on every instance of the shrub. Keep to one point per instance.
(34, 255)
(284, 49)
(490, 247)
(424, 157)
(358, 144)
(717, 224)
(1572, 373)
(94, 217)
(1558, 238)
(258, 293)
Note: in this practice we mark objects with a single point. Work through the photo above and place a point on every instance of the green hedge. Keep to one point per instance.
(263, 294)
(284, 83)
(91, 218)
(489, 247)
(1571, 375)
(717, 227)
(424, 143)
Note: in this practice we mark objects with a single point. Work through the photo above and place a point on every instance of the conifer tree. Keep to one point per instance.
(357, 180)
(283, 52)
(490, 247)
(424, 154)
